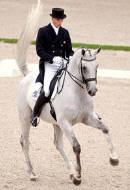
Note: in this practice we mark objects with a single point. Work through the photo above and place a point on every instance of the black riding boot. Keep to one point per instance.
(37, 109)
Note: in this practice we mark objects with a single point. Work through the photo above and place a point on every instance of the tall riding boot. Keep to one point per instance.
(37, 109)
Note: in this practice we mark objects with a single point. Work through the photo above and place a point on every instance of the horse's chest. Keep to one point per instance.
(82, 109)
(78, 113)
(74, 109)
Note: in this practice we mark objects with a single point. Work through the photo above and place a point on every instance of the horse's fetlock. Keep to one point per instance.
(78, 168)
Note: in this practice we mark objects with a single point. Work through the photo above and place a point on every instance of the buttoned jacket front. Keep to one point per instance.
(48, 44)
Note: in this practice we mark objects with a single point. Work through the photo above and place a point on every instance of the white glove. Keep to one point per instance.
(65, 61)
(70, 57)
(57, 59)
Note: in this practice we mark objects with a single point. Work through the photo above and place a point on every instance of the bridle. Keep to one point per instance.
(85, 81)
(75, 79)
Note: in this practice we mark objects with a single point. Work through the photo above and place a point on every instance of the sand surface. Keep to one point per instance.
(97, 21)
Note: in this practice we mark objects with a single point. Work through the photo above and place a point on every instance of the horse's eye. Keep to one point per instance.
(84, 68)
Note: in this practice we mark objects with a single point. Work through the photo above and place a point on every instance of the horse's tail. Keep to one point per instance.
(29, 30)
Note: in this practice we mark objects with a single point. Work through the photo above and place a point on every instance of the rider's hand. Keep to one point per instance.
(57, 59)
(70, 57)
(65, 61)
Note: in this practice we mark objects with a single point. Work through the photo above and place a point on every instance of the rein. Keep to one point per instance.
(75, 79)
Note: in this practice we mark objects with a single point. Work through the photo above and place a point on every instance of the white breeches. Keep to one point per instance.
(50, 70)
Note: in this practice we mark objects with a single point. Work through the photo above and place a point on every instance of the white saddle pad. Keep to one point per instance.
(37, 90)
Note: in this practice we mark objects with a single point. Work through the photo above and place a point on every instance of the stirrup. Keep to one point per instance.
(35, 122)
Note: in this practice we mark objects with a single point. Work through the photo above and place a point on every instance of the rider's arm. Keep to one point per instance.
(40, 47)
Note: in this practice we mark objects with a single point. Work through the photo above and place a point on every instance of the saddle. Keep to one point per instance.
(54, 89)
(54, 81)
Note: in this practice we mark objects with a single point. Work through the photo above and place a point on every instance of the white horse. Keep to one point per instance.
(73, 105)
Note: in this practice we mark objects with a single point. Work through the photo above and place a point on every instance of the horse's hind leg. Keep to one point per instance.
(95, 122)
(24, 140)
(58, 142)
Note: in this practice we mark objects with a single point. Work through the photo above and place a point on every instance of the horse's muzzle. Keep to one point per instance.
(92, 92)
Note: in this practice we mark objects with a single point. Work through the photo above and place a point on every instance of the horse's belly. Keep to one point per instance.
(46, 116)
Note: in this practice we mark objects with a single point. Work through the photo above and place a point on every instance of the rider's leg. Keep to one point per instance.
(37, 109)
(50, 70)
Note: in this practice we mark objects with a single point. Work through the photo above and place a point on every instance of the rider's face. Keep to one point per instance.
(57, 22)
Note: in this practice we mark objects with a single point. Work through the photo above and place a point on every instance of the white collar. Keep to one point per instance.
(55, 28)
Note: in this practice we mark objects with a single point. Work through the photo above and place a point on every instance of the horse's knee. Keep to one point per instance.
(77, 149)
(24, 142)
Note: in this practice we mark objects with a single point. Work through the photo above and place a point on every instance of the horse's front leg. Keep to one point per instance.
(94, 121)
(67, 130)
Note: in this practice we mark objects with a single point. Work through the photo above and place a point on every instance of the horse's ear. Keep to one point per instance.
(99, 49)
(83, 51)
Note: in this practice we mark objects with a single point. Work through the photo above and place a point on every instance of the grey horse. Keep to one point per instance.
(73, 105)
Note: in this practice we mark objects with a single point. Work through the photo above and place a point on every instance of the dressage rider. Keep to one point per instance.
(52, 45)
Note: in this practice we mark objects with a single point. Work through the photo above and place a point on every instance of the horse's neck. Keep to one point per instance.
(73, 66)
(72, 93)
(73, 69)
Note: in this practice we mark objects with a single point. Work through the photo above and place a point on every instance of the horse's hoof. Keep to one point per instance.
(76, 180)
(114, 162)
(33, 178)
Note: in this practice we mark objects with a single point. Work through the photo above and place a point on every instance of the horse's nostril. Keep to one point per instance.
(90, 92)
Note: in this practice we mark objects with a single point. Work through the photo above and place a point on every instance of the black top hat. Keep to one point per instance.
(58, 13)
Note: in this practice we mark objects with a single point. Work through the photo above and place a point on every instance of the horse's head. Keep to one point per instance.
(88, 69)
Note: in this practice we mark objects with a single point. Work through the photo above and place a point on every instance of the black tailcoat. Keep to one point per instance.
(48, 45)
